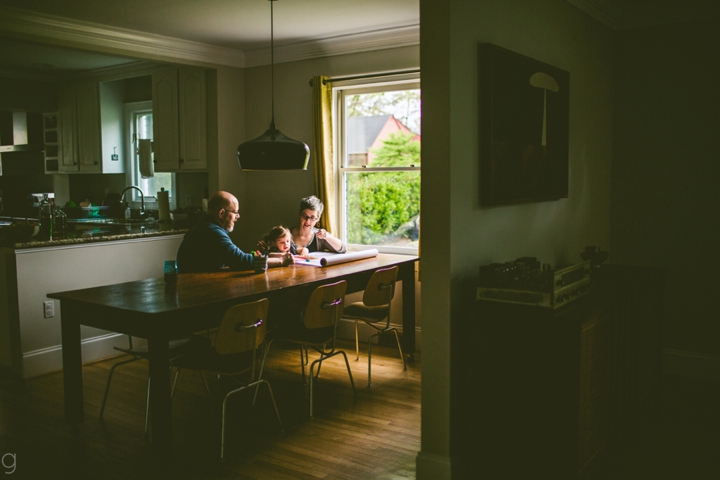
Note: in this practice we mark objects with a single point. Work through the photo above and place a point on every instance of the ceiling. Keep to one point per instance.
(237, 32)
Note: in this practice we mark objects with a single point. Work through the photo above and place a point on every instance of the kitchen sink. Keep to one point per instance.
(133, 221)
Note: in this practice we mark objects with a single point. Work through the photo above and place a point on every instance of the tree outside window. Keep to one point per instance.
(379, 164)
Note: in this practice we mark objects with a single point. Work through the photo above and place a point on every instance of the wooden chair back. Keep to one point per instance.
(242, 328)
(325, 305)
(381, 287)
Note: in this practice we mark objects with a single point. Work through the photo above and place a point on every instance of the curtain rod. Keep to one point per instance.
(370, 75)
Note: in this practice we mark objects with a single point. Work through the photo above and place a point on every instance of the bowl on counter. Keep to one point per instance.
(19, 232)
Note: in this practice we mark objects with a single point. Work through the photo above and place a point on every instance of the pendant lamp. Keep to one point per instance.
(272, 150)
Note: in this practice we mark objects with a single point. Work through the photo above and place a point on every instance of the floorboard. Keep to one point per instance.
(375, 434)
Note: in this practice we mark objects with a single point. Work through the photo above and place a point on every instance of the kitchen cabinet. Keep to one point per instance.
(52, 142)
(179, 119)
(84, 142)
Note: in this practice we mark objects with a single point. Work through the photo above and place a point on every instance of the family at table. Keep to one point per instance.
(207, 246)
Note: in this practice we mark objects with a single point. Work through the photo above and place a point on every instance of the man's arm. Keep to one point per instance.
(230, 254)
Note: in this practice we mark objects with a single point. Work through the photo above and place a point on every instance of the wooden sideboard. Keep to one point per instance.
(546, 391)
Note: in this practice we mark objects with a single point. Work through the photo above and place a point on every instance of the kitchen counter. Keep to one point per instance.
(104, 233)
(30, 338)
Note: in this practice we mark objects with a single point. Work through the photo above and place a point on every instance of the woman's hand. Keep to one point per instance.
(303, 251)
(321, 233)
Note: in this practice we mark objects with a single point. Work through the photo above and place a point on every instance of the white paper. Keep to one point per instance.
(325, 259)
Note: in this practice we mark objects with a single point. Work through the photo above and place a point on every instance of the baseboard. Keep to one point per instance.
(346, 331)
(432, 467)
(48, 360)
(691, 365)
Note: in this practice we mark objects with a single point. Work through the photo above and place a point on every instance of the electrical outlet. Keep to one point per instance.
(49, 308)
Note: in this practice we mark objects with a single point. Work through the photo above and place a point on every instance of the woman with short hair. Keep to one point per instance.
(314, 239)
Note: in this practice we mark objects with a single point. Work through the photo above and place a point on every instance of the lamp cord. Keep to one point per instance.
(272, 66)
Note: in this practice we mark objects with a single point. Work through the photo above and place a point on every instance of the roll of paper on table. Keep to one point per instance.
(163, 197)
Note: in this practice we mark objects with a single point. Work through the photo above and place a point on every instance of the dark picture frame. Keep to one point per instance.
(524, 117)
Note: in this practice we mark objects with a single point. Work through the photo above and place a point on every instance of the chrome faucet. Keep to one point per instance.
(142, 197)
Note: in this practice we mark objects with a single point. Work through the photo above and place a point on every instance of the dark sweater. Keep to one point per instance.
(207, 247)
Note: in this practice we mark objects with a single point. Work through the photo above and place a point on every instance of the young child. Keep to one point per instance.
(279, 242)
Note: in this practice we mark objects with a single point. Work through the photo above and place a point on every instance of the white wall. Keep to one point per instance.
(56, 269)
(459, 236)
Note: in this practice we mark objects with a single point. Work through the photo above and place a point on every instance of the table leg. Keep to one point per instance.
(72, 366)
(407, 275)
(160, 407)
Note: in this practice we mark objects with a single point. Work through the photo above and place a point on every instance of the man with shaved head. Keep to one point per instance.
(207, 246)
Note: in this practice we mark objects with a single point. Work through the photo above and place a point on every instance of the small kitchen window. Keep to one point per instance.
(139, 116)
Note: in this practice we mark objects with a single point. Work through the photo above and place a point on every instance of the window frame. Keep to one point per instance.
(340, 90)
(132, 174)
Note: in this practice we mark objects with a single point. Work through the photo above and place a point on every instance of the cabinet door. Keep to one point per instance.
(68, 162)
(192, 119)
(88, 127)
(165, 120)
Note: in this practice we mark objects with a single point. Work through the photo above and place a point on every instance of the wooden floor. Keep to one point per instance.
(374, 435)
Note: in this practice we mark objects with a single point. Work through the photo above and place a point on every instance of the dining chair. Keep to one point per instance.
(233, 353)
(317, 330)
(140, 353)
(374, 310)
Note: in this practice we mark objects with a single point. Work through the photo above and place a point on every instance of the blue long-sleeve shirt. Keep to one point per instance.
(207, 247)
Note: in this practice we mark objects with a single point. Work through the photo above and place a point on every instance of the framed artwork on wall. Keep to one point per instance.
(524, 109)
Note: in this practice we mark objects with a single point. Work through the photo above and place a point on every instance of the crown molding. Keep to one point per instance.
(43, 28)
(338, 45)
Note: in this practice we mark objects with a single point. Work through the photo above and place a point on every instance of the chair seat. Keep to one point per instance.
(362, 312)
(300, 334)
(199, 354)
(176, 348)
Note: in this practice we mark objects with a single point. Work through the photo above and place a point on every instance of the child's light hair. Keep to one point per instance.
(274, 234)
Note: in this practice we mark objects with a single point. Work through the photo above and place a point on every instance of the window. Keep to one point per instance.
(140, 118)
(378, 160)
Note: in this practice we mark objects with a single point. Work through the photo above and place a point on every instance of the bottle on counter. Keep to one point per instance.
(47, 218)
(60, 223)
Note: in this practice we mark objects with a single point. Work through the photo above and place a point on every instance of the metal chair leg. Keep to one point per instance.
(370, 356)
(107, 387)
(357, 343)
(147, 407)
(302, 363)
(172, 392)
(207, 388)
(253, 384)
(397, 338)
(352, 382)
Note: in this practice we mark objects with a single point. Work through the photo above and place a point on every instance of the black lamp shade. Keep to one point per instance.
(273, 151)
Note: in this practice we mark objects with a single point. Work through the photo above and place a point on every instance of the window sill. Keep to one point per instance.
(385, 249)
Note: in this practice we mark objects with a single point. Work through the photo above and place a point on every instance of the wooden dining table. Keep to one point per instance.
(159, 312)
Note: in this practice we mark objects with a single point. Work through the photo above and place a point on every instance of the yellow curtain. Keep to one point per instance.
(322, 147)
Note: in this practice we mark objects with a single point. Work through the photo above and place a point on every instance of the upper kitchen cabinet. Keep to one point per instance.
(179, 119)
(89, 121)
